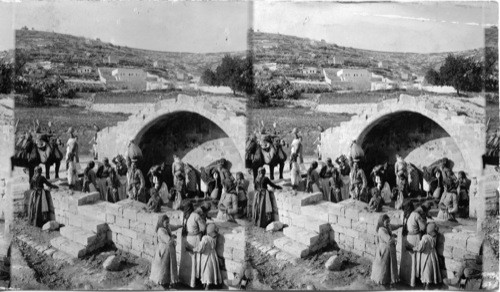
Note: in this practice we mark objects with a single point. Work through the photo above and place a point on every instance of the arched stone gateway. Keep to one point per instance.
(199, 129)
(417, 128)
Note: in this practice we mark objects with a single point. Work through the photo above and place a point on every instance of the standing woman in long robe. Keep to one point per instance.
(41, 207)
(415, 224)
(325, 177)
(72, 170)
(263, 206)
(193, 229)
(164, 264)
(104, 178)
(385, 265)
(207, 248)
(430, 272)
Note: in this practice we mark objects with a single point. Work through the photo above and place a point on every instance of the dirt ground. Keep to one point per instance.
(309, 271)
(86, 273)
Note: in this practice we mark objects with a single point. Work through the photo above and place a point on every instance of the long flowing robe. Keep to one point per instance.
(164, 264)
(429, 262)
(295, 173)
(190, 265)
(72, 172)
(228, 202)
(136, 185)
(103, 181)
(41, 207)
(410, 260)
(296, 147)
(242, 190)
(264, 208)
(325, 179)
(385, 265)
(358, 185)
(450, 202)
(210, 270)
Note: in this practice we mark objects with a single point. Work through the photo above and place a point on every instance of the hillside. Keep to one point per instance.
(491, 37)
(72, 50)
(294, 51)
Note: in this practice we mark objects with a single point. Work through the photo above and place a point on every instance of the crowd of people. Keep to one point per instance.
(346, 178)
(200, 265)
(180, 184)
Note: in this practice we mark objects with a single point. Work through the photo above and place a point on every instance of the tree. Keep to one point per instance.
(208, 77)
(491, 69)
(432, 77)
(461, 73)
(235, 73)
(6, 76)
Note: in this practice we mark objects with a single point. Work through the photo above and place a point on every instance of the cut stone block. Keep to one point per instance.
(69, 247)
(80, 236)
(95, 211)
(301, 235)
(296, 249)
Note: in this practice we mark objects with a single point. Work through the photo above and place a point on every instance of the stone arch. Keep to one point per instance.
(417, 138)
(227, 114)
(466, 132)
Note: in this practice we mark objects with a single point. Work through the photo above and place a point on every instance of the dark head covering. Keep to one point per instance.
(229, 185)
(205, 207)
(381, 220)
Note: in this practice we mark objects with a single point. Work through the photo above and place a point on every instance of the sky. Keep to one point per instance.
(6, 28)
(177, 26)
(422, 27)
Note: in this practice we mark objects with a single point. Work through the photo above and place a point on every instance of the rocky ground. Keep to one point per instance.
(280, 273)
(55, 271)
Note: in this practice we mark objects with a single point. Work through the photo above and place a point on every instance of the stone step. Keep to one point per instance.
(310, 224)
(292, 247)
(301, 235)
(92, 218)
(83, 237)
(72, 248)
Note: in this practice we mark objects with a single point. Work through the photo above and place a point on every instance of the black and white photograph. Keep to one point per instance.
(371, 120)
(128, 171)
(249, 145)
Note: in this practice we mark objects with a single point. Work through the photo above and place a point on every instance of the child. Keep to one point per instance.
(155, 202)
(164, 264)
(210, 270)
(376, 202)
(430, 272)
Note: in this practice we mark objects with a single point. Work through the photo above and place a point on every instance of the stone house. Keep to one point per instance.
(348, 78)
(84, 70)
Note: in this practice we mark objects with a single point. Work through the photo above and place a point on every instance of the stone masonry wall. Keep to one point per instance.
(467, 132)
(7, 150)
(132, 229)
(353, 228)
(228, 114)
